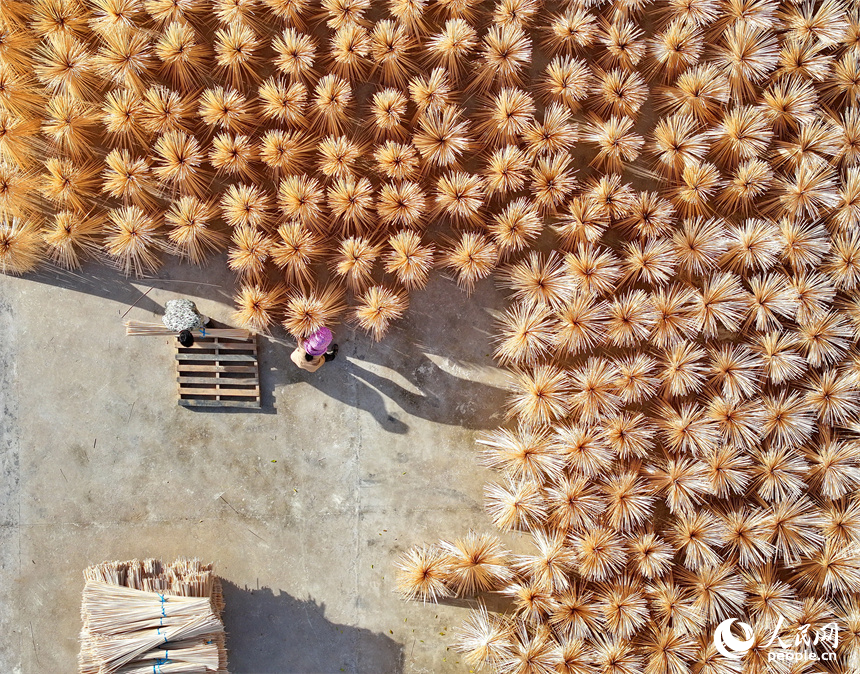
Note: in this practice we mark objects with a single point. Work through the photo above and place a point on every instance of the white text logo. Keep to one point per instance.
(807, 644)
(729, 645)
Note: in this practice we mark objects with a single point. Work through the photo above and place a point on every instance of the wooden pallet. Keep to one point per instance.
(218, 372)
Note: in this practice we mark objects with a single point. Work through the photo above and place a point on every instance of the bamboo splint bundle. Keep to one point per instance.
(142, 329)
(143, 616)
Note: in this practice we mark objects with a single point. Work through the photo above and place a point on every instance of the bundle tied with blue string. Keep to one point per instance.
(142, 616)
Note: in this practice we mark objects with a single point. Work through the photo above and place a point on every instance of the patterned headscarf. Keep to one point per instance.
(318, 342)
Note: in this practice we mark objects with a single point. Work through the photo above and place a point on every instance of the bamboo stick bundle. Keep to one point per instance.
(189, 583)
(142, 329)
(158, 584)
(113, 609)
(138, 570)
(217, 597)
(307, 311)
(115, 618)
(113, 653)
(167, 668)
(109, 572)
(191, 656)
(21, 245)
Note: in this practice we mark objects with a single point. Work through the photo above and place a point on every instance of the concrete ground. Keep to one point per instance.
(303, 506)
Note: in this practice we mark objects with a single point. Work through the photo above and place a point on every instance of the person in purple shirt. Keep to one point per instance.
(315, 350)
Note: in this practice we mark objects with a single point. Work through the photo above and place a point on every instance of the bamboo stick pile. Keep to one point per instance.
(678, 226)
(145, 617)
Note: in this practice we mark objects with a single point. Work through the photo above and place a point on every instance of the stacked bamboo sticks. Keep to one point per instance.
(144, 617)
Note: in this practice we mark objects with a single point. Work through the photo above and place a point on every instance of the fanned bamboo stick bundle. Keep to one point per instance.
(144, 616)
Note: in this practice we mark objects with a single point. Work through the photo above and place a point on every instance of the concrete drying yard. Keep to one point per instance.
(303, 506)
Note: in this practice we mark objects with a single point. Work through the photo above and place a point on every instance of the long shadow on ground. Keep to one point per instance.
(269, 633)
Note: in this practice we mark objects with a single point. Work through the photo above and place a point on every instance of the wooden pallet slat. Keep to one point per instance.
(218, 372)
(248, 381)
(218, 403)
(248, 358)
(195, 367)
(219, 390)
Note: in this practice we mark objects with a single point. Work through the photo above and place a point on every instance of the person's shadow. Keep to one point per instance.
(269, 633)
(435, 364)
